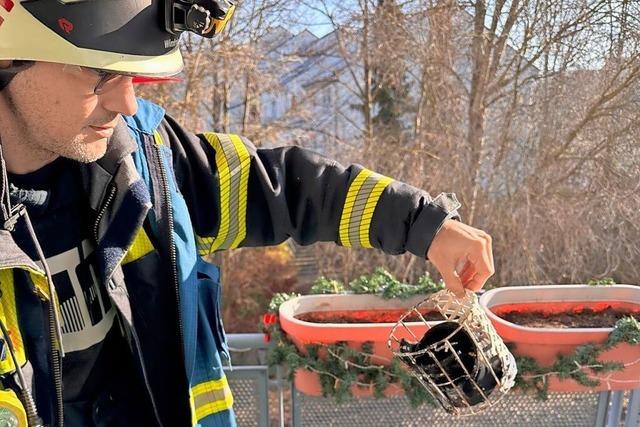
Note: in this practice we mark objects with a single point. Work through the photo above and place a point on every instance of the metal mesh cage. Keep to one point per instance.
(460, 360)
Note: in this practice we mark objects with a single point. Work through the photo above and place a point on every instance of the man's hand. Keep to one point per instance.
(463, 256)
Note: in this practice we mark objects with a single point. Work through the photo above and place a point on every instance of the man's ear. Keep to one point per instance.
(5, 63)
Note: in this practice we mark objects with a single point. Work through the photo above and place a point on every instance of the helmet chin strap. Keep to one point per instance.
(6, 210)
(10, 215)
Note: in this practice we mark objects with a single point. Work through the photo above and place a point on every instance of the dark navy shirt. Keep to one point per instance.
(96, 352)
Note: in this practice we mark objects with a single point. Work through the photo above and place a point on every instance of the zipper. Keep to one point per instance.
(134, 334)
(56, 363)
(172, 257)
(103, 210)
(172, 248)
(55, 331)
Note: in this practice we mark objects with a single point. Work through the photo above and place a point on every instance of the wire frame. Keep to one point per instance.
(468, 368)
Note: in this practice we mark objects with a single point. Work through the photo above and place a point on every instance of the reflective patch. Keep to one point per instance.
(233, 162)
(157, 138)
(211, 397)
(9, 316)
(140, 247)
(357, 213)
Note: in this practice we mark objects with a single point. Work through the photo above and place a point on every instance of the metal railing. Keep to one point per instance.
(263, 397)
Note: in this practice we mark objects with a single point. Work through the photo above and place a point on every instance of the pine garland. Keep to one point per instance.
(581, 365)
(343, 367)
(340, 367)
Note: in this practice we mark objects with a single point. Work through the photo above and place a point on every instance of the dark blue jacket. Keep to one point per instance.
(164, 199)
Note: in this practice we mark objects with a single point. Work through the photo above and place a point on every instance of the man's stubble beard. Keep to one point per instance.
(82, 152)
(46, 147)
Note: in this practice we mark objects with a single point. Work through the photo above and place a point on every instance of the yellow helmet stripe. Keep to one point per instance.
(220, 24)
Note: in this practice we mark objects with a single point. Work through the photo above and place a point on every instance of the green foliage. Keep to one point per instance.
(626, 330)
(577, 366)
(380, 282)
(427, 285)
(603, 281)
(341, 367)
(323, 285)
(279, 298)
(374, 283)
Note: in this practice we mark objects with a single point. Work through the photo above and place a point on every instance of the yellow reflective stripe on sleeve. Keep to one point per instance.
(367, 214)
(192, 407)
(352, 194)
(233, 162)
(211, 397)
(361, 201)
(9, 316)
(140, 247)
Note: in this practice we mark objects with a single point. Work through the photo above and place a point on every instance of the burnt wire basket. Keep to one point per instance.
(461, 360)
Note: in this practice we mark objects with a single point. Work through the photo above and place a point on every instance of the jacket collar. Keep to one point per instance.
(11, 255)
(120, 146)
(98, 175)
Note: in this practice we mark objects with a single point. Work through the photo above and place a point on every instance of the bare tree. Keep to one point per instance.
(528, 109)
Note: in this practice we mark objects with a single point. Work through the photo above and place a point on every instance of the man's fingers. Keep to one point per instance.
(466, 273)
(475, 284)
(482, 260)
(470, 248)
(492, 266)
(489, 249)
(452, 281)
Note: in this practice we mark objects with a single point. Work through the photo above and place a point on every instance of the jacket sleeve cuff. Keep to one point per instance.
(429, 222)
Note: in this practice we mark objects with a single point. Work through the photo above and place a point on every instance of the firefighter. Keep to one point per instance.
(109, 313)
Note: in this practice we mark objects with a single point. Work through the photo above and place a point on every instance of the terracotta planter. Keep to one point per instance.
(545, 343)
(355, 334)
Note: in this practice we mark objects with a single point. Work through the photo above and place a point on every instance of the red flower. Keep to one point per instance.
(269, 319)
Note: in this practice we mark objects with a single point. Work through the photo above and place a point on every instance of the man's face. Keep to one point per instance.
(54, 109)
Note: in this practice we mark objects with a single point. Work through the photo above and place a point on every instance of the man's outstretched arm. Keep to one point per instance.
(239, 195)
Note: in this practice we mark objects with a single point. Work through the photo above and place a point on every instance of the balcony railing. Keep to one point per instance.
(264, 397)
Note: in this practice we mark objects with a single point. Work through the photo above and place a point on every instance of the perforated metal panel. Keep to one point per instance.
(515, 410)
(250, 397)
(249, 384)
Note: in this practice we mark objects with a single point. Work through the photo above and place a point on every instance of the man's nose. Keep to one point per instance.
(121, 98)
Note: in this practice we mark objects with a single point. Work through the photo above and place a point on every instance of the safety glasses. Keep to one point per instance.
(107, 80)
